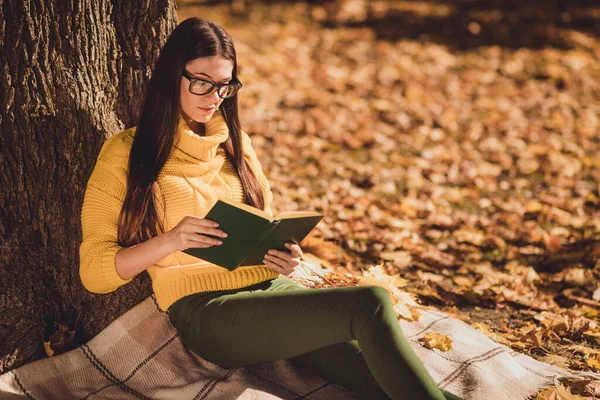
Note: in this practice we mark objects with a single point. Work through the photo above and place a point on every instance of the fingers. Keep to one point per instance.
(201, 221)
(284, 256)
(211, 231)
(282, 261)
(275, 266)
(295, 249)
(207, 227)
(295, 252)
(206, 240)
(200, 245)
(276, 254)
(202, 236)
(204, 227)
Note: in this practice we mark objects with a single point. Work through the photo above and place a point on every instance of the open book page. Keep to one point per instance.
(260, 213)
(248, 208)
(296, 214)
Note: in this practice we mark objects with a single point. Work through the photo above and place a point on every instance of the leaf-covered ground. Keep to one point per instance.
(453, 143)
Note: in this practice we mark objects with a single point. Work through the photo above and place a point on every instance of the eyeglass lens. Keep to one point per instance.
(202, 87)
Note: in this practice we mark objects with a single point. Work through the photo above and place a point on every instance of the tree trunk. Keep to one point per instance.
(73, 73)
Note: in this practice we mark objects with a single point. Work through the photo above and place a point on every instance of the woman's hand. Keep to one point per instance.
(284, 262)
(192, 231)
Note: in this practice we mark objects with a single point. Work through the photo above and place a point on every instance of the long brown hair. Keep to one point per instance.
(154, 136)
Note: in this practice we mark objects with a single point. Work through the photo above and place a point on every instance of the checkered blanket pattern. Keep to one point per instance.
(140, 356)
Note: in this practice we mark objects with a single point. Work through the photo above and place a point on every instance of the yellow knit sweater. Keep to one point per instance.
(194, 177)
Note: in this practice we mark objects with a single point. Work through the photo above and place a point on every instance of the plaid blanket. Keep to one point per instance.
(140, 356)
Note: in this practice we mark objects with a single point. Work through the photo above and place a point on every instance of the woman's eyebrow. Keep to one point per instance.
(207, 75)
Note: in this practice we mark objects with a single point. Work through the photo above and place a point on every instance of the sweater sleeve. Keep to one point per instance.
(258, 171)
(102, 204)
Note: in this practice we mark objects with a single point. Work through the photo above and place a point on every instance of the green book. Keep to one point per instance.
(251, 233)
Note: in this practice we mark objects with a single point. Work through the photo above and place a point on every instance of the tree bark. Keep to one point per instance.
(73, 73)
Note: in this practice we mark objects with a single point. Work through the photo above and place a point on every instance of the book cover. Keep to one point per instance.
(252, 232)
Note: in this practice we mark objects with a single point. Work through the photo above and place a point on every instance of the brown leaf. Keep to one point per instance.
(434, 340)
(593, 363)
(557, 392)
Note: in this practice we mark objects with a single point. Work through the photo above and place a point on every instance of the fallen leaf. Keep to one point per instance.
(48, 349)
(557, 392)
(596, 295)
(434, 340)
(593, 363)
(555, 359)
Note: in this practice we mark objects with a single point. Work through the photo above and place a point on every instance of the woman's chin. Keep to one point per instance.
(203, 116)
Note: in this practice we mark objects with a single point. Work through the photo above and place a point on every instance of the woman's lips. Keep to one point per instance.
(207, 109)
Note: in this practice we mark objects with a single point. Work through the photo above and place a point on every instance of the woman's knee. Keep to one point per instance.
(373, 297)
(375, 306)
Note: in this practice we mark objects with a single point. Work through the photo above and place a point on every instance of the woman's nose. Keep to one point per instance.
(214, 96)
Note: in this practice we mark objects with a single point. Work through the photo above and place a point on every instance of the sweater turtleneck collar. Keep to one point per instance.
(202, 147)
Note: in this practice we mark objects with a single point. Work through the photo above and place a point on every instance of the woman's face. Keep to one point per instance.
(214, 69)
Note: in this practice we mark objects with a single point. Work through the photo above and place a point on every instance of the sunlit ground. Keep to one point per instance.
(454, 143)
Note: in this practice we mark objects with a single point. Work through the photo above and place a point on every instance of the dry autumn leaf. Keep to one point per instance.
(596, 295)
(48, 349)
(594, 363)
(60, 341)
(557, 392)
(581, 385)
(554, 359)
(376, 276)
(434, 340)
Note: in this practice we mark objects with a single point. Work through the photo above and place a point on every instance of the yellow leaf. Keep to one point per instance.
(49, 351)
(593, 363)
(533, 206)
(463, 281)
(592, 334)
(557, 392)
(375, 275)
(434, 340)
(596, 295)
(403, 311)
(582, 349)
(400, 259)
(405, 306)
(557, 360)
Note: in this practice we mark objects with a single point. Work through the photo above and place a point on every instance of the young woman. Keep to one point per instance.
(144, 204)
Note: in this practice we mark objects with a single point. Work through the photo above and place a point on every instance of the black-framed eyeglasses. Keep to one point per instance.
(200, 87)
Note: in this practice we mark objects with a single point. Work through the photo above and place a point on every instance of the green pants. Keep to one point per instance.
(348, 335)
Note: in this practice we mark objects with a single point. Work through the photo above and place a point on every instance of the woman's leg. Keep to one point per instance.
(343, 363)
(281, 320)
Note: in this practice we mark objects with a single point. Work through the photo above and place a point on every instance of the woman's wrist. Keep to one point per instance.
(164, 243)
(130, 261)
